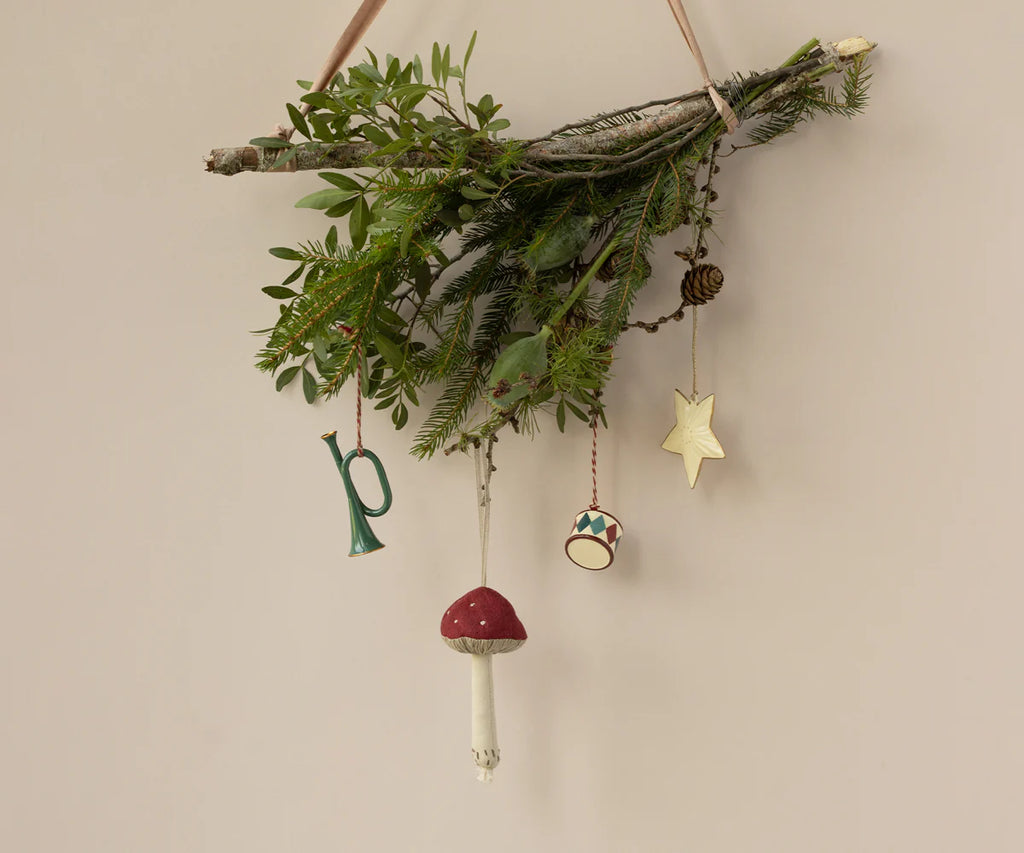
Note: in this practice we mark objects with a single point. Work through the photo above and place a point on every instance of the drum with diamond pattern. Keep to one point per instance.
(594, 539)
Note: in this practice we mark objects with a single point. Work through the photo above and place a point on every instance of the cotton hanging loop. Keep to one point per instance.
(724, 110)
(484, 463)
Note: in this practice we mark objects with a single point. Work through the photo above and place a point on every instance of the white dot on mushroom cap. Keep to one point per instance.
(472, 604)
(483, 623)
(456, 622)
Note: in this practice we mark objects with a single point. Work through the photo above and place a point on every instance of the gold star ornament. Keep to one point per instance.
(692, 437)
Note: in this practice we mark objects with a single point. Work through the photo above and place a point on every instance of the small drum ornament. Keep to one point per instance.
(595, 537)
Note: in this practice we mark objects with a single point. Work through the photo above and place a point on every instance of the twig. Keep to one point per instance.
(506, 418)
(696, 253)
(652, 326)
(683, 111)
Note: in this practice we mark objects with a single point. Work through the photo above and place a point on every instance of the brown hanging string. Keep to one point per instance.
(593, 463)
(724, 110)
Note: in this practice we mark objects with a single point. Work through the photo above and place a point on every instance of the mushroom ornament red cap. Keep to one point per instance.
(482, 622)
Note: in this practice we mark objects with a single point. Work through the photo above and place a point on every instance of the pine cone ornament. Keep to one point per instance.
(700, 284)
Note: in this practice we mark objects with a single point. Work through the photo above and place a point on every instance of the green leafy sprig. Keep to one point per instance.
(472, 249)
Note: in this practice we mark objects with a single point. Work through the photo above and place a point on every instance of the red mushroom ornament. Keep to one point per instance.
(483, 623)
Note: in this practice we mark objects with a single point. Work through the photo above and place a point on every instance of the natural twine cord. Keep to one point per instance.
(693, 354)
(483, 462)
(698, 245)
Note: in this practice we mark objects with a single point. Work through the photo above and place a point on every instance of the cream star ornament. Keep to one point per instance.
(692, 437)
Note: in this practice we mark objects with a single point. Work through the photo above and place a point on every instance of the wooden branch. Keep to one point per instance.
(685, 111)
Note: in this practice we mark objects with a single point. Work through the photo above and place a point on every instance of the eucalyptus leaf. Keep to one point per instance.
(390, 351)
(365, 386)
(286, 376)
(474, 193)
(269, 142)
(308, 385)
(518, 364)
(285, 254)
(295, 274)
(435, 62)
(423, 281)
(299, 120)
(276, 291)
(358, 222)
(391, 317)
(323, 199)
(343, 209)
(576, 411)
(375, 135)
(560, 245)
(341, 181)
(321, 129)
(284, 158)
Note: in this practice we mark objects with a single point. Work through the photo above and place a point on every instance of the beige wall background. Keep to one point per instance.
(818, 649)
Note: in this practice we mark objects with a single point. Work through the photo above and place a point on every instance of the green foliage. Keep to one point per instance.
(460, 272)
(814, 98)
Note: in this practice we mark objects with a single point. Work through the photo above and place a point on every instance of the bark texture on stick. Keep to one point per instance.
(687, 110)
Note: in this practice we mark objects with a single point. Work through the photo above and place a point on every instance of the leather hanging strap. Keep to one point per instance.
(355, 30)
(724, 110)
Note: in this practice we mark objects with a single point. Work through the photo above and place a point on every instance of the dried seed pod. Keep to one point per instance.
(700, 284)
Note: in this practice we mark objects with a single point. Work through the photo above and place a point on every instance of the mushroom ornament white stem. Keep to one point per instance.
(485, 726)
(483, 623)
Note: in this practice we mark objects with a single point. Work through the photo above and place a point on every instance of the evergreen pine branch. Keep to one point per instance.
(523, 211)
(635, 227)
(461, 391)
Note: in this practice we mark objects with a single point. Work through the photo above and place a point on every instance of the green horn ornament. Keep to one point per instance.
(363, 539)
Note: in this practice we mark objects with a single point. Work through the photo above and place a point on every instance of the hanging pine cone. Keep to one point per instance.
(700, 284)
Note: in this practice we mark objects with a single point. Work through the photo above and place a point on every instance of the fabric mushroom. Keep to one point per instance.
(483, 623)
